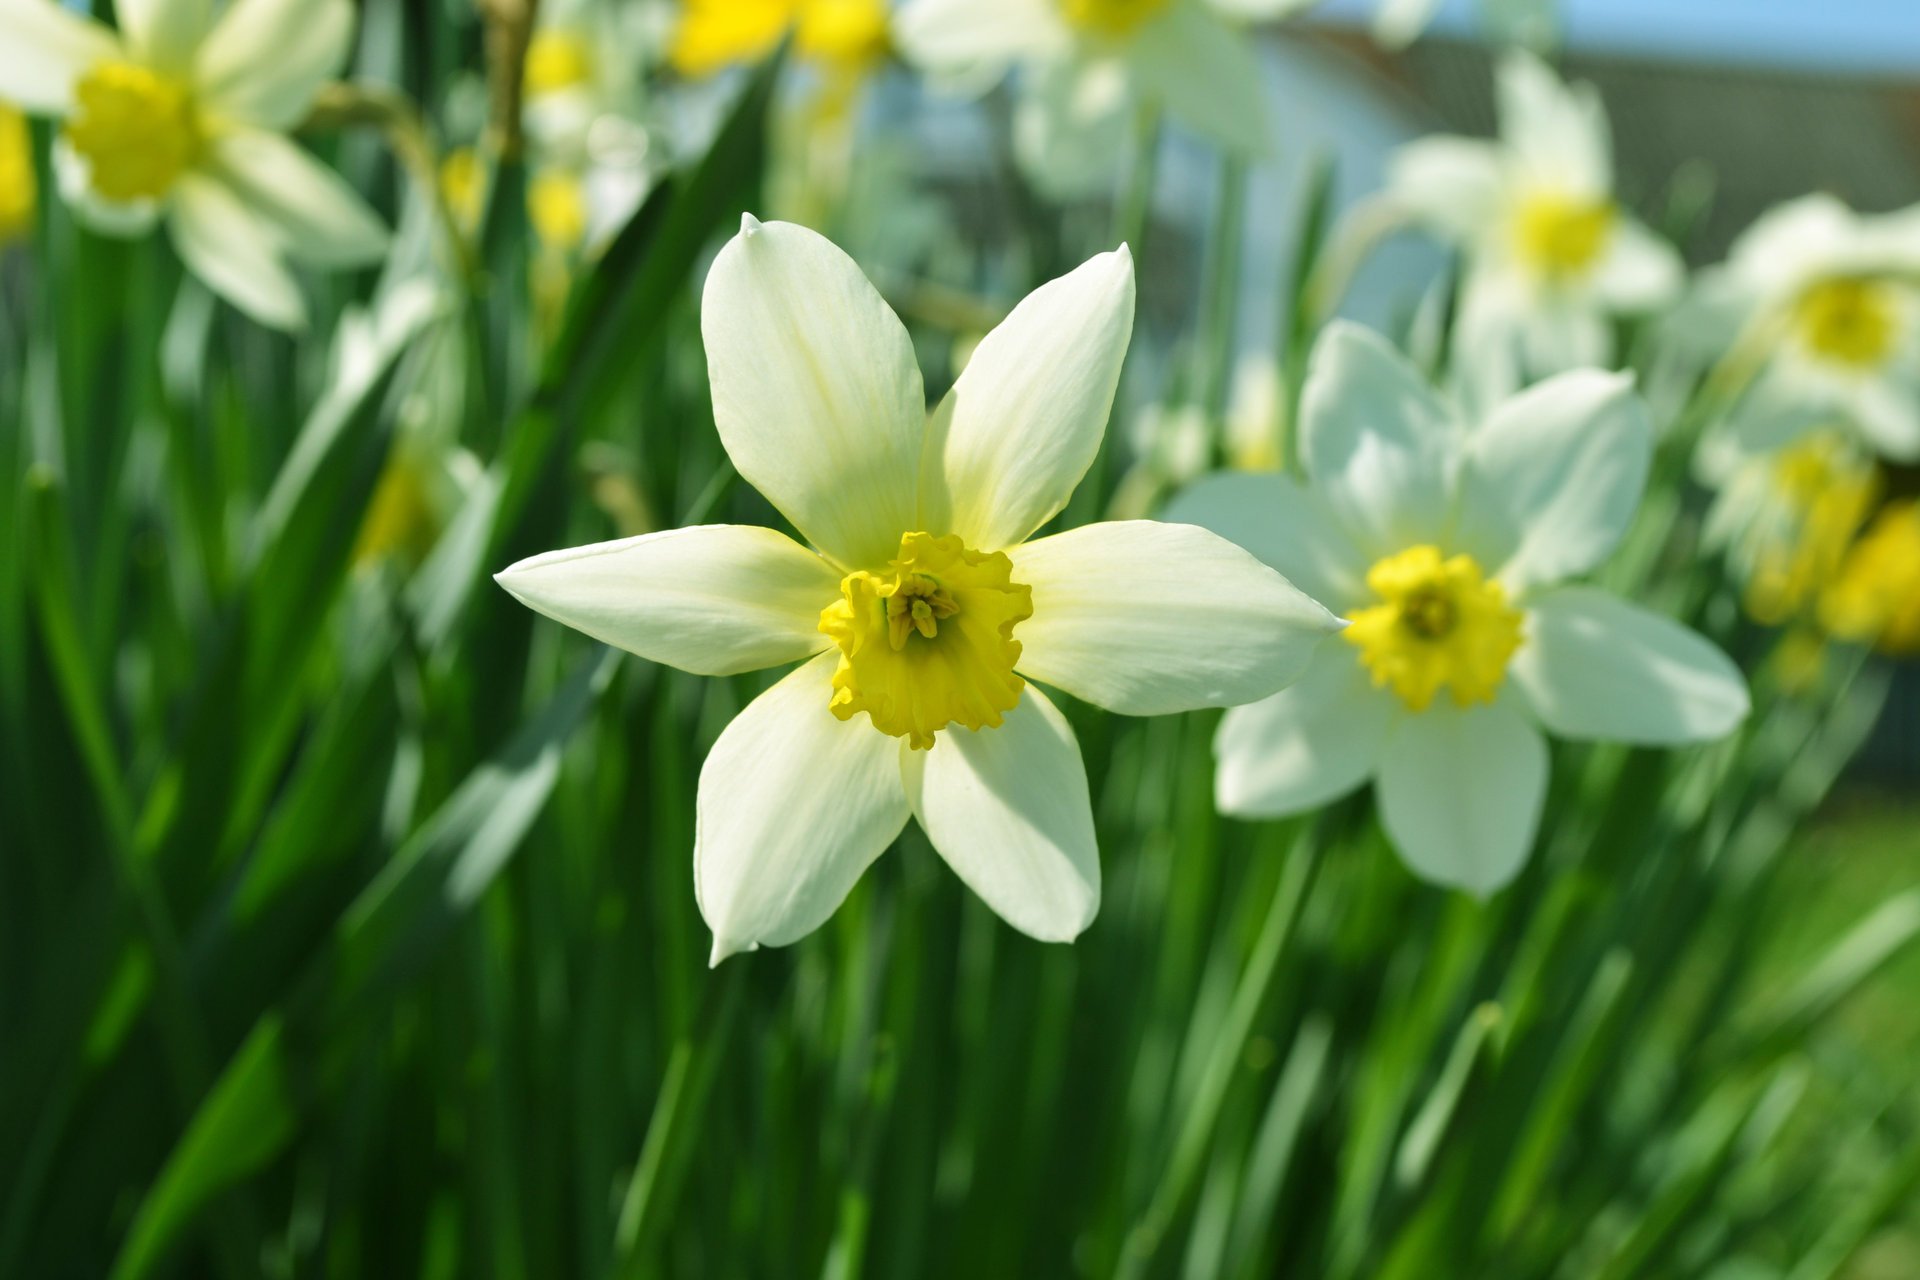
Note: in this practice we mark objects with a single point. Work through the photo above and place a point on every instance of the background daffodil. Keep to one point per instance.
(1446, 544)
(920, 604)
(182, 115)
(1551, 257)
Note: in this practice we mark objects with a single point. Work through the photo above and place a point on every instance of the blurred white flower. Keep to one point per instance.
(920, 605)
(1826, 304)
(183, 116)
(1084, 62)
(1445, 546)
(1551, 257)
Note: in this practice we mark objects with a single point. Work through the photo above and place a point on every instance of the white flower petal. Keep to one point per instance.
(962, 35)
(1558, 132)
(321, 219)
(714, 599)
(1149, 619)
(1007, 808)
(1460, 792)
(1283, 522)
(1071, 126)
(43, 50)
(1206, 76)
(1595, 667)
(1260, 10)
(1020, 427)
(1454, 186)
(794, 804)
(1377, 441)
(815, 389)
(266, 59)
(121, 218)
(1640, 272)
(1888, 416)
(163, 34)
(235, 251)
(1554, 475)
(1307, 744)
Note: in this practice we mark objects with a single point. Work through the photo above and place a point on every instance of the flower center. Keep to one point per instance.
(1440, 623)
(1848, 321)
(138, 131)
(17, 188)
(928, 641)
(1562, 236)
(557, 61)
(1110, 18)
(849, 33)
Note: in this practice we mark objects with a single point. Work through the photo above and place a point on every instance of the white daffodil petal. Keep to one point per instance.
(1007, 808)
(321, 219)
(1206, 76)
(1887, 413)
(794, 804)
(1460, 791)
(1283, 522)
(815, 389)
(1558, 132)
(1071, 125)
(43, 50)
(1595, 667)
(121, 218)
(1398, 23)
(1554, 475)
(164, 34)
(1455, 186)
(1640, 272)
(237, 253)
(1377, 441)
(1008, 444)
(1148, 619)
(266, 59)
(713, 599)
(950, 36)
(1307, 744)
(1260, 10)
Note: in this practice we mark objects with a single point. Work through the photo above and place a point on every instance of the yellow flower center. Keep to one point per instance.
(1440, 623)
(851, 34)
(557, 61)
(1561, 236)
(17, 187)
(1111, 18)
(1848, 321)
(928, 641)
(138, 131)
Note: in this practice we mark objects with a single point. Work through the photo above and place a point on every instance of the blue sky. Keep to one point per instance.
(1879, 37)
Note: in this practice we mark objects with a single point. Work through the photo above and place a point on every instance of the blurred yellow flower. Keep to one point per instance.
(17, 187)
(1821, 492)
(1875, 599)
(463, 185)
(847, 35)
(557, 60)
(557, 208)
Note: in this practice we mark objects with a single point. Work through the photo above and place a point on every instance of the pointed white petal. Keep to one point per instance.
(963, 35)
(1595, 667)
(1398, 23)
(1888, 415)
(714, 600)
(1008, 810)
(1020, 427)
(1454, 186)
(266, 59)
(815, 389)
(321, 219)
(1641, 272)
(121, 218)
(794, 804)
(1377, 441)
(1206, 76)
(1460, 793)
(1558, 132)
(235, 251)
(1554, 476)
(163, 34)
(1283, 522)
(43, 50)
(1307, 744)
(1148, 619)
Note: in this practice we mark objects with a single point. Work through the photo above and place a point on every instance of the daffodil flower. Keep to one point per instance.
(183, 116)
(18, 190)
(845, 37)
(1550, 255)
(1448, 549)
(1875, 597)
(1084, 61)
(921, 611)
(1826, 303)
